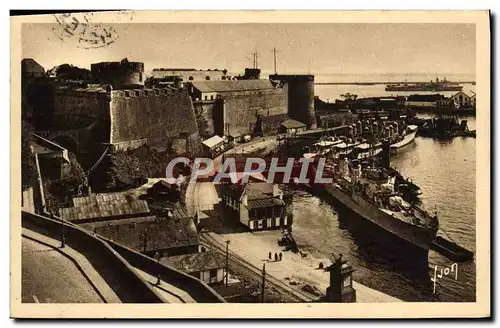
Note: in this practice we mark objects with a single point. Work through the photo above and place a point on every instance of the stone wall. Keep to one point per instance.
(119, 74)
(158, 115)
(239, 111)
(128, 285)
(300, 97)
(204, 110)
(75, 105)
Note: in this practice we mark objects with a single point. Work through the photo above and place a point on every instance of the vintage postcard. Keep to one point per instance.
(278, 164)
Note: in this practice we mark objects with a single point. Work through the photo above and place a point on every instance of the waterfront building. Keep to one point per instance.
(189, 74)
(213, 146)
(291, 127)
(258, 205)
(209, 90)
(239, 107)
(462, 99)
(128, 220)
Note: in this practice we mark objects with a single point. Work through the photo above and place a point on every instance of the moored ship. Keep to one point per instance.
(374, 195)
(438, 85)
(405, 140)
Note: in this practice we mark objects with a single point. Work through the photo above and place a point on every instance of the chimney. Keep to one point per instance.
(178, 82)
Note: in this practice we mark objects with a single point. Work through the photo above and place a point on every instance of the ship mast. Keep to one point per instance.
(274, 52)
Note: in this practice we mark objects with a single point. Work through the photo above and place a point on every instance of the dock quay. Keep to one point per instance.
(380, 82)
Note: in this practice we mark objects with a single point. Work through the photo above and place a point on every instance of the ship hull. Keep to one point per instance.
(423, 89)
(408, 139)
(414, 235)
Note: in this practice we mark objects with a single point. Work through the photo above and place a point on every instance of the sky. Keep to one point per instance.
(302, 48)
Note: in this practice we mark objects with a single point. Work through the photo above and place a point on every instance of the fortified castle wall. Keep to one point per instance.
(125, 118)
(300, 97)
(157, 115)
(240, 110)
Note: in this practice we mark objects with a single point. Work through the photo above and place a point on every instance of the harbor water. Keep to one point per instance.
(446, 173)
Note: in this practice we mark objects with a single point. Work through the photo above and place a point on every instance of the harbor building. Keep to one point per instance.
(291, 127)
(463, 100)
(258, 205)
(190, 74)
(240, 107)
(126, 219)
(206, 266)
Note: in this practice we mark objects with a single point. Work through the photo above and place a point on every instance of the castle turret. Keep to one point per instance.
(300, 97)
(119, 74)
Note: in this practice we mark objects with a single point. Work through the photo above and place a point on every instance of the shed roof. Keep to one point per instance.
(213, 141)
(266, 202)
(196, 262)
(293, 124)
(232, 85)
(104, 205)
(151, 235)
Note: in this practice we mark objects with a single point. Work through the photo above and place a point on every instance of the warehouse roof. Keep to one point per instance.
(293, 124)
(104, 205)
(213, 141)
(196, 262)
(151, 234)
(232, 85)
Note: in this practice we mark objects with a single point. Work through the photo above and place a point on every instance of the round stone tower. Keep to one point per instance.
(120, 74)
(300, 97)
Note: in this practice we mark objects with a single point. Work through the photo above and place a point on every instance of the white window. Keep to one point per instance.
(269, 223)
(285, 222)
(277, 222)
(251, 225)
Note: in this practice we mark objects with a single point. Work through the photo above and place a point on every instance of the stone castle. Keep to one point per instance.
(115, 111)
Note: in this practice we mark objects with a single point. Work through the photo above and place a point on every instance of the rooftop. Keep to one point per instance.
(196, 262)
(232, 85)
(213, 141)
(293, 124)
(266, 202)
(104, 205)
(150, 234)
(44, 146)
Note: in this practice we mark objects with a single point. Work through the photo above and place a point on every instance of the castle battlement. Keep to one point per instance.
(146, 93)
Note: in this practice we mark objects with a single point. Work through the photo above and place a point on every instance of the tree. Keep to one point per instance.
(28, 169)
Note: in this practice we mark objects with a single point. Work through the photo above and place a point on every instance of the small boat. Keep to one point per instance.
(408, 137)
(451, 250)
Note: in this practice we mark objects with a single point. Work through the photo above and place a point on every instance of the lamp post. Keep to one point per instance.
(158, 275)
(227, 261)
(263, 282)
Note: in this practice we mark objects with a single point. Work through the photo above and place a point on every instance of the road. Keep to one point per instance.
(50, 277)
(255, 272)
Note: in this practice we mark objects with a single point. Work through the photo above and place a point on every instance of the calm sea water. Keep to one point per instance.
(446, 173)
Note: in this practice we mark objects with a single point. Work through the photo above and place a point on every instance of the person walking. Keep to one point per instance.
(270, 255)
(275, 257)
(281, 255)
